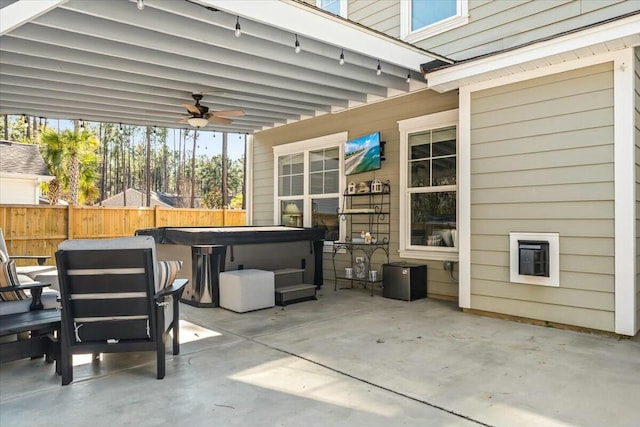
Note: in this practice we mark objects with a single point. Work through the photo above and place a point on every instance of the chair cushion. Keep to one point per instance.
(9, 278)
(167, 271)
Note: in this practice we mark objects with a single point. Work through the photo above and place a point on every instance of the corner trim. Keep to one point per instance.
(624, 225)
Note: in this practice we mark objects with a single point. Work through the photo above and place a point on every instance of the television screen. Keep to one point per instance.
(362, 154)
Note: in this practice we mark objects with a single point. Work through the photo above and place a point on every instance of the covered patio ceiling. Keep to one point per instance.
(107, 61)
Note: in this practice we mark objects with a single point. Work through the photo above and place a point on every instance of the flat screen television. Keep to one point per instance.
(362, 154)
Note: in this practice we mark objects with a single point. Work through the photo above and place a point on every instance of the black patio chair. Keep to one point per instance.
(113, 300)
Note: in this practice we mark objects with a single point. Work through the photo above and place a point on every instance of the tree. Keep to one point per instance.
(63, 153)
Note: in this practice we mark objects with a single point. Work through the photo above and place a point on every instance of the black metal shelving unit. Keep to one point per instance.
(369, 211)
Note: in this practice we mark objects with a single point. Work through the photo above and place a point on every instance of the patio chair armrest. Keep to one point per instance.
(175, 289)
(35, 288)
(41, 258)
(26, 287)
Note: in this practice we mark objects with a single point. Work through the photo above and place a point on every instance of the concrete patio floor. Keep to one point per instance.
(348, 359)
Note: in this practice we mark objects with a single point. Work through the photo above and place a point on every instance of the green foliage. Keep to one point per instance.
(213, 199)
(236, 202)
(111, 157)
(72, 159)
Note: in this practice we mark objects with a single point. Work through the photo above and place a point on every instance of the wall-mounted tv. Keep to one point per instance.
(362, 154)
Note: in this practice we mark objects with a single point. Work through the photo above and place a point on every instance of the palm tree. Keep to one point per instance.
(62, 153)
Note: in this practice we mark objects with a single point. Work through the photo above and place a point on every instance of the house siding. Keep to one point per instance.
(542, 161)
(383, 117)
(19, 191)
(495, 25)
(383, 16)
(637, 179)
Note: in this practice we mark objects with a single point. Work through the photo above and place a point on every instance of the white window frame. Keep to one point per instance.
(459, 19)
(406, 127)
(305, 147)
(343, 7)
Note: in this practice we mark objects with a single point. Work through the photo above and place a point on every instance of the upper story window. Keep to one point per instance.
(424, 18)
(337, 7)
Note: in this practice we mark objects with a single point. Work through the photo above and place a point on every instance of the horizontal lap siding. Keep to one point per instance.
(381, 116)
(383, 16)
(497, 25)
(542, 161)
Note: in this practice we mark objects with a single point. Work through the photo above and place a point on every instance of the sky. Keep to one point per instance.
(209, 143)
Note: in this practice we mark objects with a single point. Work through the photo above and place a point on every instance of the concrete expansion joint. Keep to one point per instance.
(337, 371)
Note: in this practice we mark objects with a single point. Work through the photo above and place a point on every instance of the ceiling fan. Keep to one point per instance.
(199, 115)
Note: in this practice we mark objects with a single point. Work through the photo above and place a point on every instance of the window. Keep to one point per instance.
(425, 18)
(428, 183)
(337, 7)
(308, 184)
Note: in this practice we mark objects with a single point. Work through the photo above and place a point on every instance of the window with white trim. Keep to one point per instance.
(308, 185)
(425, 18)
(428, 186)
(337, 7)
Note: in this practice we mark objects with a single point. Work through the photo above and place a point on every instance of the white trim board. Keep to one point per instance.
(23, 11)
(625, 200)
(318, 25)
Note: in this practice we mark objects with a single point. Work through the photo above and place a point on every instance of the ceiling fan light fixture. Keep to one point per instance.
(197, 122)
(341, 61)
(379, 69)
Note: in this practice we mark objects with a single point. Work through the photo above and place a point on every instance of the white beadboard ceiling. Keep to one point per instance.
(107, 61)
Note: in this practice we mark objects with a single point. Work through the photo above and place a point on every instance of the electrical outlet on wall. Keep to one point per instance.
(359, 259)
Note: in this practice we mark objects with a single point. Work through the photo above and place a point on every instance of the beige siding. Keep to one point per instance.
(495, 25)
(383, 16)
(381, 117)
(637, 172)
(542, 161)
(498, 25)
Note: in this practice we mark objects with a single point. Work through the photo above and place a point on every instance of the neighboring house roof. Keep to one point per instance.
(17, 159)
(137, 197)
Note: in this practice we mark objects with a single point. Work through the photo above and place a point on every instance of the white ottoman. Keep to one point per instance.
(247, 290)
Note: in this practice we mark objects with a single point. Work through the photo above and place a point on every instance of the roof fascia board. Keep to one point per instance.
(23, 11)
(26, 176)
(308, 22)
(442, 80)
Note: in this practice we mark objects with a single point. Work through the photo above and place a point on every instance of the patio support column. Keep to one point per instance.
(625, 198)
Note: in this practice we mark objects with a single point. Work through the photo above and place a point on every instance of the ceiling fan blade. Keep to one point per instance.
(192, 109)
(228, 113)
(220, 120)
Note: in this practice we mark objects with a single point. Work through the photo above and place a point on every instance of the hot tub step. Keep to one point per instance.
(295, 293)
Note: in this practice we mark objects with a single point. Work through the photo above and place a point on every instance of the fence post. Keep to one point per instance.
(156, 215)
(224, 216)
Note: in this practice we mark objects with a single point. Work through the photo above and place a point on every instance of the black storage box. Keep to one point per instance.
(404, 281)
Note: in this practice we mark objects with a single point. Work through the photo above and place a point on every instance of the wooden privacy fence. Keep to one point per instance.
(37, 230)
